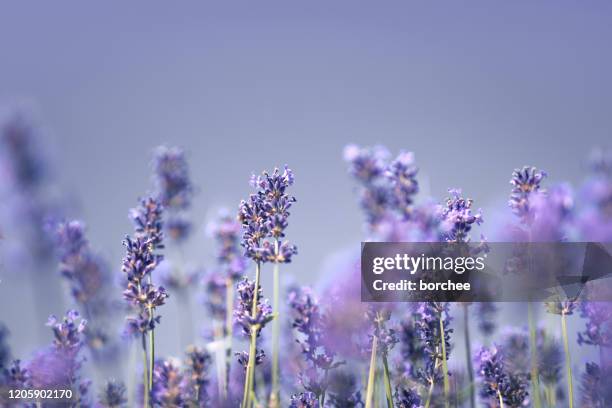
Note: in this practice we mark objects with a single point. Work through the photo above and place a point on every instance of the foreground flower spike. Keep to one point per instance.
(174, 189)
(310, 323)
(113, 395)
(598, 330)
(498, 385)
(402, 174)
(525, 184)
(458, 215)
(14, 376)
(140, 261)
(90, 283)
(264, 218)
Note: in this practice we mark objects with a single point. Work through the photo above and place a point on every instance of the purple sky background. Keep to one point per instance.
(474, 90)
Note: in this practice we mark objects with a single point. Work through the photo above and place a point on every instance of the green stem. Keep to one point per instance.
(274, 397)
(501, 400)
(152, 358)
(429, 394)
(372, 374)
(535, 381)
(250, 372)
(145, 371)
(387, 380)
(568, 360)
(468, 353)
(444, 363)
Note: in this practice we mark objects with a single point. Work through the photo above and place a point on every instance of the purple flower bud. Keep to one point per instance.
(113, 395)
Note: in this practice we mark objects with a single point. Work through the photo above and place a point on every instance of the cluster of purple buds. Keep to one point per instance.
(264, 218)
(112, 395)
(427, 324)
(226, 232)
(598, 331)
(140, 261)
(243, 314)
(497, 382)
(386, 337)
(402, 173)
(406, 398)
(304, 400)
(168, 385)
(15, 376)
(174, 189)
(309, 322)
(458, 216)
(67, 332)
(525, 183)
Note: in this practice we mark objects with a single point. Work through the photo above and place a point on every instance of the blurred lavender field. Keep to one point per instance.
(179, 107)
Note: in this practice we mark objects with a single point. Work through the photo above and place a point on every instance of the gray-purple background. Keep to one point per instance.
(475, 89)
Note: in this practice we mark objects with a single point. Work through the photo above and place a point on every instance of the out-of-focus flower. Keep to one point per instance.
(497, 382)
(5, 351)
(596, 386)
(402, 173)
(515, 343)
(310, 323)
(550, 360)
(552, 214)
(168, 385)
(174, 189)
(112, 395)
(598, 330)
(344, 390)
(225, 229)
(387, 337)
(197, 365)
(594, 219)
(14, 376)
(525, 184)
(561, 307)
(486, 313)
(304, 400)
(406, 398)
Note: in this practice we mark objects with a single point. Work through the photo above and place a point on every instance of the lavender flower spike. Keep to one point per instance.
(113, 395)
(497, 384)
(525, 182)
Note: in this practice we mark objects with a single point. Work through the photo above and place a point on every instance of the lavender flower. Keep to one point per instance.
(197, 365)
(497, 383)
(402, 174)
(243, 313)
(304, 400)
(406, 398)
(596, 386)
(168, 385)
(226, 232)
(525, 183)
(598, 331)
(174, 189)
(309, 322)
(561, 307)
(486, 312)
(458, 215)
(412, 350)
(550, 361)
(14, 376)
(264, 217)
(595, 217)
(387, 338)
(113, 395)
(552, 213)
(344, 390)
(428, 329)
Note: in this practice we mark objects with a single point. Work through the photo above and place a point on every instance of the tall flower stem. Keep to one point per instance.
(568, 360)
(535, 381)
(275, 397)
(429, 393)
(145, 370)
(468, 353)
(444, 363)
(151, 358)
(501, 400)
(372, 374)
(250, 371)
(229, 332)
(387, 381)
